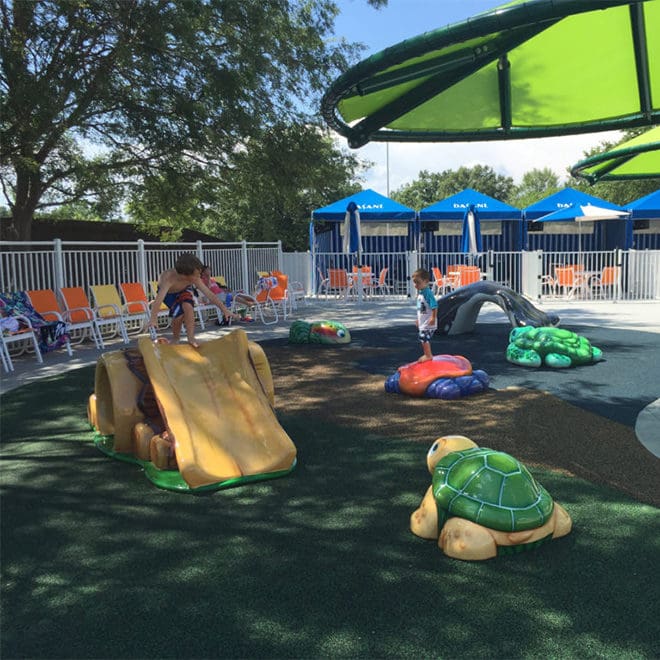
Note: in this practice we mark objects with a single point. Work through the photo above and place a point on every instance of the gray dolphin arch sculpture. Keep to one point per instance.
(459, 309)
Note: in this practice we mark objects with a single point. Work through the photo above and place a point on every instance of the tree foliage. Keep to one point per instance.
(278, 180)
(430, 187)
(535, 185)
(152, 86)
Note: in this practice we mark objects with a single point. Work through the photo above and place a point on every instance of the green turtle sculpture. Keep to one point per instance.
(554, 347)
(319, 332)
(483, 503)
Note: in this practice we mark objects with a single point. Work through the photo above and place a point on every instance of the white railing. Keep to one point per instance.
(54, 264)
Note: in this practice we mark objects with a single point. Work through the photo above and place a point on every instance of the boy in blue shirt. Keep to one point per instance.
(427, 311)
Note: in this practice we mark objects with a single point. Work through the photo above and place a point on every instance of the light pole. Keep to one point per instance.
(387, 166)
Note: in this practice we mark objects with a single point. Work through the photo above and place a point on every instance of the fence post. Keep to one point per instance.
(200, 251)
(532, 272)
(244, 267)
(279, 256)
(413, 265)
(142, 264)
(618, 258)
(58, 263)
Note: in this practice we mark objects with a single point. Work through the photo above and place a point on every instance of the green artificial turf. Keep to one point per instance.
(97, 562)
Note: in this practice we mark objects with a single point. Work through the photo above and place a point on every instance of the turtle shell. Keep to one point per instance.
(490, 488)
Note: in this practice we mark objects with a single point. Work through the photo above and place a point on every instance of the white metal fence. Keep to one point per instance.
(55, 264)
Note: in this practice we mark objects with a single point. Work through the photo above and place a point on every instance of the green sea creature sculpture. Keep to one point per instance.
(319, 332)
(482, 503)
(554, 347)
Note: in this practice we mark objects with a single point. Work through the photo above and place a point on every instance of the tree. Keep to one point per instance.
(276, 181)
(535, 185)
(148, 86)
(431, 187)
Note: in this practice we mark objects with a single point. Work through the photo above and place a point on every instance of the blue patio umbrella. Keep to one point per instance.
(471, 239)
(585, 213)
(352, 236)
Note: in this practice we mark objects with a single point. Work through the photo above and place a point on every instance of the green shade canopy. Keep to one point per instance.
(526, 69)
(638, 158)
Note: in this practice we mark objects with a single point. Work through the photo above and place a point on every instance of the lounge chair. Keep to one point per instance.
(136, 302)
(24, 327)
(80, 310)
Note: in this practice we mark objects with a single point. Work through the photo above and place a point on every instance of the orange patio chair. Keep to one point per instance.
(277, 293)
(338, 283)
(136, 302)
(440, 283)
(45, 302)
(608, 280)
(565, 280)
(380, 285)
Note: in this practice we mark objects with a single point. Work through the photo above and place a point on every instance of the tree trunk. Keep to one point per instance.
(20, 227)
(28, 193)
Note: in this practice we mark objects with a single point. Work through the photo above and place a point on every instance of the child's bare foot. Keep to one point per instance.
(424, 358)
(193, 343)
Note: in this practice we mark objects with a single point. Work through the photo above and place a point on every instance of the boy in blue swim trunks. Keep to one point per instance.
(175, 289)
(427, 311)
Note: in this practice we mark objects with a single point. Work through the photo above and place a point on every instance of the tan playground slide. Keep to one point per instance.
(216, 402)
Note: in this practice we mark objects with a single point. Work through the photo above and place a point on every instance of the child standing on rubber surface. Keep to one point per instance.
(427, 311)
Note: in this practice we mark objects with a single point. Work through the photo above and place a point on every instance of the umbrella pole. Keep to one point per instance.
(359, 274)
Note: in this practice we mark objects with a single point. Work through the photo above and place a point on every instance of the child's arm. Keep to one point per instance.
(164, 283)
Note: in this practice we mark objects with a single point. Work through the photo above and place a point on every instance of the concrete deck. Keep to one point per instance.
(599, 317)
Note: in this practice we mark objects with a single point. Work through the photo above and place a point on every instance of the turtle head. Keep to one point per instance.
(445, 445)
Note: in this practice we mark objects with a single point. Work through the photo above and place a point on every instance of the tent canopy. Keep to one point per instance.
(453, 208)
(526, 69)
(373, 207)
(566, 199)
(647, 207)
(638, 158)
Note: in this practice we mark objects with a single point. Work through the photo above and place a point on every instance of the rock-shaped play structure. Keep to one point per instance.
(554, 347)
(195, 419)
(459, 309)
(443, 377)
(482, 503)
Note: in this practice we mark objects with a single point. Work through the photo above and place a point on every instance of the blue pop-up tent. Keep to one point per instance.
(372, 206)
(453, 208)
(471, 207)
(567, 204)
(646, 208)
(369, 206)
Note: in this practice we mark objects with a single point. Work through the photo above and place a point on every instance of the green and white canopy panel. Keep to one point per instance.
(526, 69)
(638, 158)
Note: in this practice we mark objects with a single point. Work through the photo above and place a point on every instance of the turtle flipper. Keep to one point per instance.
(557, 361)
(463, 539)
(424, 520)
(523, 357)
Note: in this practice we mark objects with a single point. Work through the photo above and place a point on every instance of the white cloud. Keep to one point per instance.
(510, 158)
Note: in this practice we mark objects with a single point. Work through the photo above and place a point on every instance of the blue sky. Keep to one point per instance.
(402, 19)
